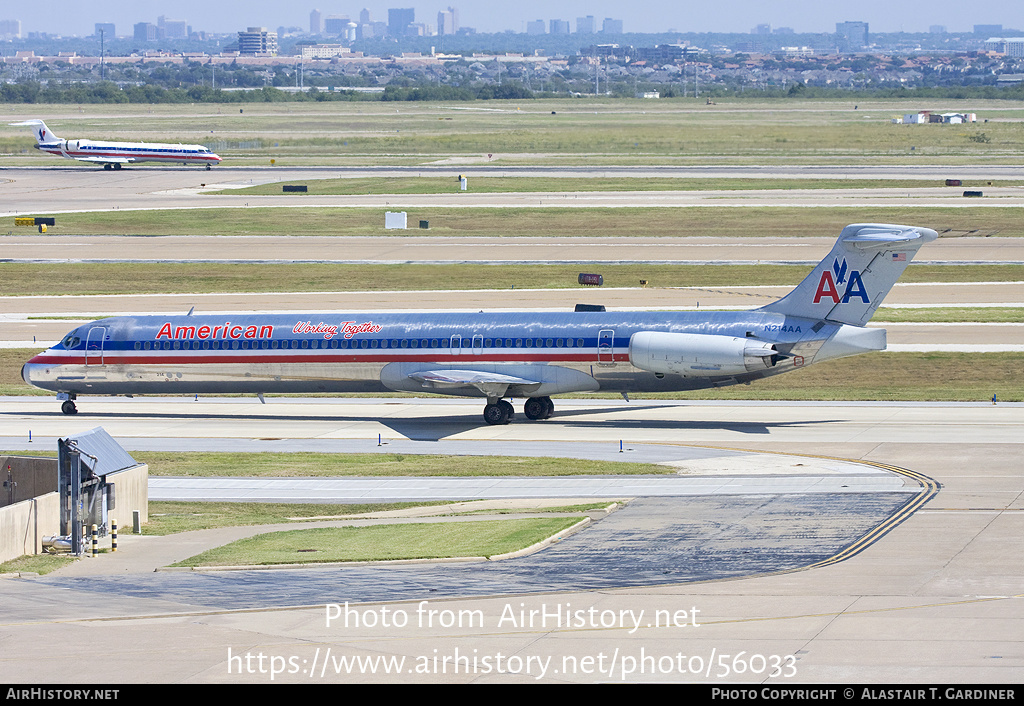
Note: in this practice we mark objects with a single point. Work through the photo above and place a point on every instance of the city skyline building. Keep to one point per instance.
(586, 25)
(611, 26)
(144, 32)
(257, 41)
(448, 21)
(171, 29)
(400, 19)
(10, 29)
(852, 35)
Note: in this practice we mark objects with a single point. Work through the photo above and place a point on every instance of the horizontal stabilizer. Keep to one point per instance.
(43, 134)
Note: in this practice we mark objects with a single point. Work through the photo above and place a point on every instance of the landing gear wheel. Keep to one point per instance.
(69, 407)
(107, 167)
(117, 165)
(509, 411)
(207, 167)
(539, 408)
(536, 408)
(499, 413)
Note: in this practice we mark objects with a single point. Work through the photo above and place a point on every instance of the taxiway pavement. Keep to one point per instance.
(937, 598)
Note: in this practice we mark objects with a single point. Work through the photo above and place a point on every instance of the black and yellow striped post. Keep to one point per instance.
(113, 535)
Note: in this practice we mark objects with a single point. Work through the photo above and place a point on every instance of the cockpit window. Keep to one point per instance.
(72, 340)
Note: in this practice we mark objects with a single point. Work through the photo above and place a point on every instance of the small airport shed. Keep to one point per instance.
(111, 485)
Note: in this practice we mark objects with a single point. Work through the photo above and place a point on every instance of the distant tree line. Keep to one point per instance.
(109, 92)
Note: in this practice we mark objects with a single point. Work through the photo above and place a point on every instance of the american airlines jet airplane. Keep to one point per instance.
(499, 356)
(114, 154)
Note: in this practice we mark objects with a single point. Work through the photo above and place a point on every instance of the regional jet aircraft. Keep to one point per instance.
(498, 356)
(114, 154)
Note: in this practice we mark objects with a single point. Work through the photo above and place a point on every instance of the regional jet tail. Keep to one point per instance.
(112, 155)
(529, 355)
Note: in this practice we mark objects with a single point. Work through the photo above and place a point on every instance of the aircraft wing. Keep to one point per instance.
(106, 160)
(489, 383)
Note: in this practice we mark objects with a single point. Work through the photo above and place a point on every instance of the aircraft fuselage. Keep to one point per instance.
(373, 352)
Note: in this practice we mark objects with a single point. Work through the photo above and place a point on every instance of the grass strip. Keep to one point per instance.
(173, 516)
(32, 279)
(289, 465)
(951, 314)
(559, 219)
(41, 564)
(495, 185)
(384, 542)
(557, 129)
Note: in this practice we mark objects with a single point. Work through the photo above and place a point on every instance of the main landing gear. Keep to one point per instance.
(68, 407)
(501, 412)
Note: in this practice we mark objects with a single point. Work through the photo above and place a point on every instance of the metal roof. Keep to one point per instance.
(110, 457)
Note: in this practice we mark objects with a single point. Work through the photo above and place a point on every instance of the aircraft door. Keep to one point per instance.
(94, 345)
(605, 347)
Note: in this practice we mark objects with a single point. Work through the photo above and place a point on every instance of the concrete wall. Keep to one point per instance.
(34, 477)
(131, 492)
(23, 525)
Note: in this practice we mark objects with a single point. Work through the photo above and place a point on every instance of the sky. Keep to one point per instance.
(72, 17)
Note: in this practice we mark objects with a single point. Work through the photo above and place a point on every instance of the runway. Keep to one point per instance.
(499, 250)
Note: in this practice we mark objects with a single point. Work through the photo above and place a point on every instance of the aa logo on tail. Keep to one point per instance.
(830, 281)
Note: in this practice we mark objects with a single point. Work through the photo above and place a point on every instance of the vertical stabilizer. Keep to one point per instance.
(42, 133)
(851, 282)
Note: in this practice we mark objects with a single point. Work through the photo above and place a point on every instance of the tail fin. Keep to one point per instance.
(851, 282)
(43, 134)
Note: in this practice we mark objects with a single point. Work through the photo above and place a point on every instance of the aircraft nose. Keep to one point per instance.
(30, 371)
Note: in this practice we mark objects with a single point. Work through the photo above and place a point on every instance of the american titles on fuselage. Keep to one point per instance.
(177, 332)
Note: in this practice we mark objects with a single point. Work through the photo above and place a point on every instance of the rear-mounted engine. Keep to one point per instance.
(700, 355)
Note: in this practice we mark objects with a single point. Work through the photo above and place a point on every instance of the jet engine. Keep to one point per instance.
(699, 355)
